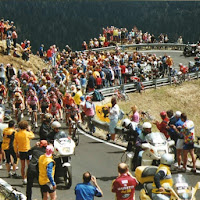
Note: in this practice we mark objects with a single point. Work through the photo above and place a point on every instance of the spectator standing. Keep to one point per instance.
(87, 191)
(78, 95)
(22, 146)
(33, 171)
(7, 146)
(162, 126)
(46, 174)
(122, 182)
(187, 131)
(113, 116)
(178, 138)
(2, 74)
(89, 110)
(169, 63)
(135, 117)
(98, 82)
(8, 44)
(14, 37)
(1, 28)
(91, 82)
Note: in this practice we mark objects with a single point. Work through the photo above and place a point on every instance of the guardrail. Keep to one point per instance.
(146, 46)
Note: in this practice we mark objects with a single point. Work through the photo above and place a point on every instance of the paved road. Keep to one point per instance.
(98, 158)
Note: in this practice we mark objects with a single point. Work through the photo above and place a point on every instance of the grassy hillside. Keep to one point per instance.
(185, 98)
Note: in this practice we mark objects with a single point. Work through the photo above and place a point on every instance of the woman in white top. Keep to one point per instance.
(113, 116)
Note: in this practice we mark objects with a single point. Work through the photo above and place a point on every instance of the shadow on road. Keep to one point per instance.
(115, 152)
(106, 178)
(95, 142)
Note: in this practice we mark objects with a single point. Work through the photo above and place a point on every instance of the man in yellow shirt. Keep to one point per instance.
(22, 145)
(46, 174)
(7, 146)
(77, 97)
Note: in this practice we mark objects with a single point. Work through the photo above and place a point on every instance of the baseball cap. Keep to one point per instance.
(178, 113)
(43, 143)
(49, 150)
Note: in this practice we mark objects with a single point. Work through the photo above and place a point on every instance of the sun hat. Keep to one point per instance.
(49, 150)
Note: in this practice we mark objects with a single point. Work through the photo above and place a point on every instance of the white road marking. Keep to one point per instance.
(103, 141)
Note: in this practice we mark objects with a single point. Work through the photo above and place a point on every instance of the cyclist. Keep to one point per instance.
(67, 102)
(18, 104)
(33, 104)
(55, 109)
(44, 105)
(74, 115)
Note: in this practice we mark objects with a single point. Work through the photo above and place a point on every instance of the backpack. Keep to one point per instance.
(97, 96)
(121, 114)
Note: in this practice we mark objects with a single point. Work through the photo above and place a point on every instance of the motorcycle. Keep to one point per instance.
(156, 145)
(180, 190)
(190, 50)
(63, 150)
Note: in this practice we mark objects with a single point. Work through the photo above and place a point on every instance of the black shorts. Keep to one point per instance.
(33, 107)
(11, 152)
(17, 105)
(24, 156)
(0, 144)
(47, 188)
(44, 108)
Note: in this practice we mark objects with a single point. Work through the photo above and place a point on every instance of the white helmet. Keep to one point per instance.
(126, 122)
(146, 125)
(55, 124)
(167, 159)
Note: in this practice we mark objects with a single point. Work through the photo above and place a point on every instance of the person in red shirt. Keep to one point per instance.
(162, 126)
(1, 28)
(124, 185)
(123, 72)
(99, 82)
(49, 54)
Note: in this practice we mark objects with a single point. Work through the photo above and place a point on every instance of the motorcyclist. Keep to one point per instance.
(131, 131)
(146, 129)
(55, 126)
(46, 126)
(163, 176)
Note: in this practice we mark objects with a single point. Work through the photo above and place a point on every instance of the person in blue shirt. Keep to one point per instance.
(86, 190)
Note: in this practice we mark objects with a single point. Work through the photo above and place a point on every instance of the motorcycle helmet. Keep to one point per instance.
(146, 125)
(167, 159)
(55, 124)
(126, 122)
(48, 117)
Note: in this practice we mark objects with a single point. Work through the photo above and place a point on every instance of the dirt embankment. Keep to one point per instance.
(35, 63)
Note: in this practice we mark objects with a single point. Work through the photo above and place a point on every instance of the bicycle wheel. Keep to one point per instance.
(127, 97)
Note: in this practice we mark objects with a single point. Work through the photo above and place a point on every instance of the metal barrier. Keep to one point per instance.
(146, 46)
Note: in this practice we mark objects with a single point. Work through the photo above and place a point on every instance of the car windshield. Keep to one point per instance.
(156, 138)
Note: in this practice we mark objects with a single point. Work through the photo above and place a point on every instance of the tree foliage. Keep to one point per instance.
(70, 22)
